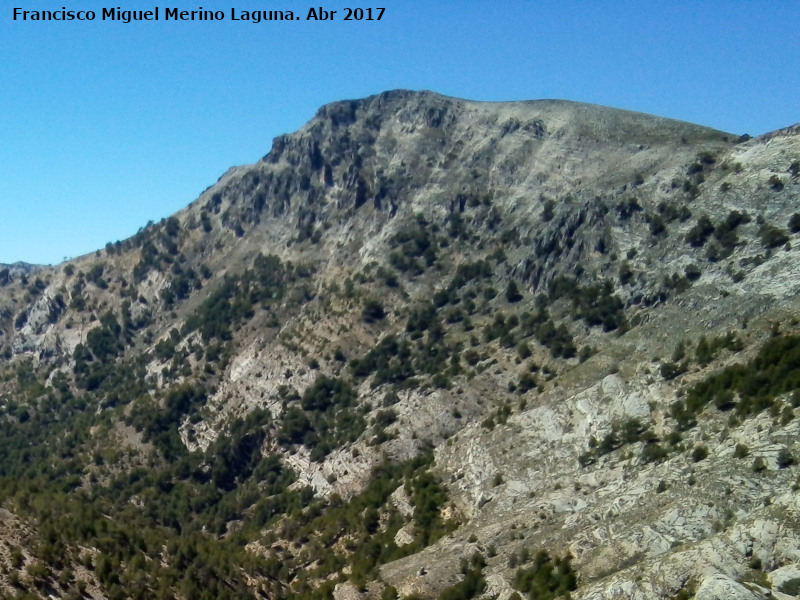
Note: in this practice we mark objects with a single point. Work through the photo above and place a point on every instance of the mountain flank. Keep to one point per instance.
(424, 348)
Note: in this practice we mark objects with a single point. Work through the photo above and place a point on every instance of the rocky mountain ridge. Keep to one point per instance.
(523, 345)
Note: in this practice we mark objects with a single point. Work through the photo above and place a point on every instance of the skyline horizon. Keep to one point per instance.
(110, 125)
(219, 177)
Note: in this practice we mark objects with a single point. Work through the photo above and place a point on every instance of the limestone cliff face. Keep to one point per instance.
(520, 286)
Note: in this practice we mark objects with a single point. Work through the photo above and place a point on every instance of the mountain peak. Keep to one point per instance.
(426, 346)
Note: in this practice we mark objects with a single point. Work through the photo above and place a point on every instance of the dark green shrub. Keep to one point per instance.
(625, 273)
(670, 370)
(512, 292)
(771, 236)
(794, 223)
(172, 227)
(472, 357)
(373, 311)
(699, 234)
(704, 353)
(692, 272)
(706, 158)
(609, 443)
(205, 221)
(627, 208)
(585, 353)
(95, 275)
(699, 453)
(657, 225)
(785, 458)
(654, 453)
(527, 382)
(384, 418)
(548, 210)
(389, 593)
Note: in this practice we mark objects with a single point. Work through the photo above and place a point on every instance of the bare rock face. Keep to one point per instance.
(717, 587)
(514, 305)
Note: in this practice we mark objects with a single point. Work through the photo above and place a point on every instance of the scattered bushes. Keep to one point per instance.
(417, 248)
(235, 298)
(725, 235)
(627, 208)
(627, 432)
(473, 583)
(326, 418)
(757, 383)
(699, 234)
(670, 370)
(596, 304)
(547, 578)
(160, 423)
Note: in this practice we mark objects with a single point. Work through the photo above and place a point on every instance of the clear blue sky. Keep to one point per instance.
(104, 126)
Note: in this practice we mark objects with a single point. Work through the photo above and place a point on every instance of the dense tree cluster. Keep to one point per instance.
(750, 387)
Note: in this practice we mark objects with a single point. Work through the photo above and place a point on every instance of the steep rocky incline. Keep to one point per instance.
(424, 346)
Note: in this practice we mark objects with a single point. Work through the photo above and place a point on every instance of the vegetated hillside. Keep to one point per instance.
(425, 347)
